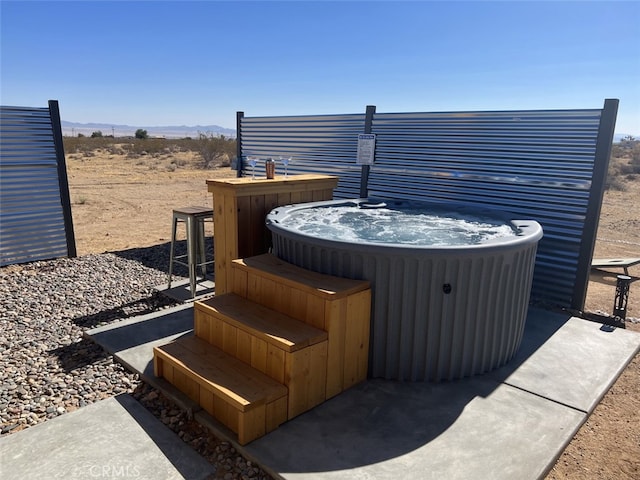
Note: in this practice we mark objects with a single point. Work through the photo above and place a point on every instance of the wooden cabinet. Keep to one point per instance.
(240, 206)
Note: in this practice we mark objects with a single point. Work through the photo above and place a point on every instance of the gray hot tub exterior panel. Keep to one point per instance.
(437, 314)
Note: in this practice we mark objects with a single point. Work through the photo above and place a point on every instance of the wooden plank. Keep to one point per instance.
(257, 225)
(298, 304)
(275, 363)
(314, 314)
(306, 196)
(194, 390)
(219, 241)
(226, 238)
(244, 347)
(252, 287)
(296, 197)
(267, 289)
(244, 227)
(239, 282)
(259, 352)
(229, 378)
(226, 413)
(167, 371)
(230, 233)
(336, 317)
(216, 334)
(284, 198)
(201, 325)
(317, 378)
(158, 366)
(273, 327)
(276, 414)
(206, 401)
(296, 373)
(322, 194)
(305, 377)
(283, 300)
(245, 186)
(185, 384)
(270, 202)
(269, 265)
(362, 304)
(229, 339)
(251, 425)
(255, 288)
(356, 344)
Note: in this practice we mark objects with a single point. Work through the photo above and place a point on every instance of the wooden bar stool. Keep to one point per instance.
(194, 219)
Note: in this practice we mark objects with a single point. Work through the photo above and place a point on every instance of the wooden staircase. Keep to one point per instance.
(281, 342)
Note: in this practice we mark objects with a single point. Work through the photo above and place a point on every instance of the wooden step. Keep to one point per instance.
(285, 273)
(242, 398)
(273, 327)
(287, 350)
(339, 306)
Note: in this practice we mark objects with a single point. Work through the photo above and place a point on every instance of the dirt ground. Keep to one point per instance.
(120, 203)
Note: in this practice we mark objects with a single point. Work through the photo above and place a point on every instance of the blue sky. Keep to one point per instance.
(197, 63)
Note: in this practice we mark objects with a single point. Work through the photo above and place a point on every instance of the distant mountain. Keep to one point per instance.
(174, 131)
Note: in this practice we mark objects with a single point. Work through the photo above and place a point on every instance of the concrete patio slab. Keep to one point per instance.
(181, 290)
(113, 438)
(575, 365)
(131, 341)
(511, 423)
(476, 428)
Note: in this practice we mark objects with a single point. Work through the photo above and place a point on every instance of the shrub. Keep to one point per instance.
(615, 182)
(142, 134)
(215, 149)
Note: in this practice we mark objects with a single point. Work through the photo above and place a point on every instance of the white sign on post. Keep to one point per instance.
(366, 148)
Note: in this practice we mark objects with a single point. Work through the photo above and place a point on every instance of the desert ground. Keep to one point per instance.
(119, 202)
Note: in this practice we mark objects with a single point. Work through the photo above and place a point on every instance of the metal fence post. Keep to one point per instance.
(592, 217)
(63, 181)
(239, 117)
(364, 177)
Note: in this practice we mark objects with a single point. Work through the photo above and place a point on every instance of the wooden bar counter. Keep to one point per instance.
(240, 206)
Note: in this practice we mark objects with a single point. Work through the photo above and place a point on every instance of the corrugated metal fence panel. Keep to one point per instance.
(32, 223)
(325, 144)
(536, 164)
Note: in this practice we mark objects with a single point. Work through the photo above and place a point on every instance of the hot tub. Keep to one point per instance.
(450, 284)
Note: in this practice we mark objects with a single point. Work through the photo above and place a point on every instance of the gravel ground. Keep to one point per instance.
(48, 369)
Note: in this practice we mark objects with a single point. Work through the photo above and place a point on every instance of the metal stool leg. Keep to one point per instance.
(192, 240)
(173, 244)
(202, 258)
